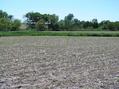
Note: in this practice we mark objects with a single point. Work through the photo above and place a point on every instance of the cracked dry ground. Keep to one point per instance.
(59, 63)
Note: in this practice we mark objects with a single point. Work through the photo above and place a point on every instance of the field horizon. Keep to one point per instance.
(61, 33)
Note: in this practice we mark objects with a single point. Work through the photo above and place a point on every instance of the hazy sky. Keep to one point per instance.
(82, 9)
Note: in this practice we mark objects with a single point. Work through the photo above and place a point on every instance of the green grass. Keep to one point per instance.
(62, 33)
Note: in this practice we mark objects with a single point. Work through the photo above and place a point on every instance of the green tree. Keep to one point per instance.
(53, 22)
(40, 25)
(33, 18)
(95, 23)
(3, 14)
(68, 21)
(5, 24)
(16, 25)
(113, 26)
(61, 24)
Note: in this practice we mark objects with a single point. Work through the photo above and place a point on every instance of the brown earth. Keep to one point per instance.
(59, 63)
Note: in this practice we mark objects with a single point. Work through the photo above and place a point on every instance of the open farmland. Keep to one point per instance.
(59, 62)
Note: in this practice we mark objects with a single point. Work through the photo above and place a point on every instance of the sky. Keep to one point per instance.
(82, 9)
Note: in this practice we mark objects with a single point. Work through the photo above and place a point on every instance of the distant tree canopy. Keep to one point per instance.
(51, 22)
(7, 23)
(69, 23)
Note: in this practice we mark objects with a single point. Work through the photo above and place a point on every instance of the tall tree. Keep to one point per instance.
(33, 18)
(95, 23)
(3, 14)
(68, 21)
(7, 23)
(15, 25)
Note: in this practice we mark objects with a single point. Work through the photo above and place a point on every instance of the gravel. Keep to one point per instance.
(59, 62)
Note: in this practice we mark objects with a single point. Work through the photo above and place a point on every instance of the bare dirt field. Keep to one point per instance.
(59, 63)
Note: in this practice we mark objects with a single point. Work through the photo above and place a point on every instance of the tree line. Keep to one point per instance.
(51, 22)
(8, 23)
